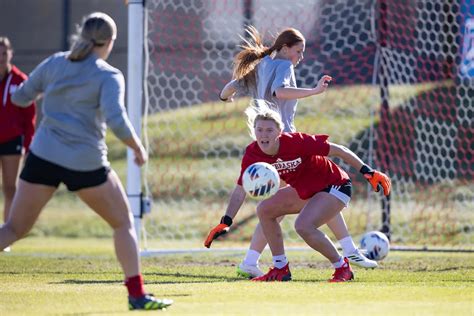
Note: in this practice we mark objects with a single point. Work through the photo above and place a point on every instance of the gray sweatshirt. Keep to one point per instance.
(272, 74)
(79, 99)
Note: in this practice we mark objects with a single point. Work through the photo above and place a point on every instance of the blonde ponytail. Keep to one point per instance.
(97, 29)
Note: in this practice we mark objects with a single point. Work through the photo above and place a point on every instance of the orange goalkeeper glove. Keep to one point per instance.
(376, 178)
(219, 230)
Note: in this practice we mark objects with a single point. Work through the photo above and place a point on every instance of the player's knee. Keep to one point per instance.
(264, 211)
(303, 228)
(121, 222)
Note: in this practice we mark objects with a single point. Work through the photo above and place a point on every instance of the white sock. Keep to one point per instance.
(251, 258)
(347, 245)
(338, 263)
(280, 261)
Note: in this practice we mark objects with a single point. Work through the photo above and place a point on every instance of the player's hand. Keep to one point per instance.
(141, 156)
(377, 178)
(323, 83)
(219, 230)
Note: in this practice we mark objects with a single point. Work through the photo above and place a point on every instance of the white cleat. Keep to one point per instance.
(7, 249)
(358, 259)
(248, 271)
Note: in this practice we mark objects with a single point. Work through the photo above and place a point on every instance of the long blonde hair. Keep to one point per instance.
(253, 49)
(262, 110)
(96, 30)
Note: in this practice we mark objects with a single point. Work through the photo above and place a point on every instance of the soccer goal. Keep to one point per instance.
(401, 98)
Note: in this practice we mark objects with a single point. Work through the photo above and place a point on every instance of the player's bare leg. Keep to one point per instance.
(285, 201)
(319, 210)
(29, 200)
(109, 201)
(338, 226)
(10, 165)
(249, 267)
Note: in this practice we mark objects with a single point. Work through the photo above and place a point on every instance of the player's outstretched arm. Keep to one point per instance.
(374, 177)
(291, 93)
(236, 200)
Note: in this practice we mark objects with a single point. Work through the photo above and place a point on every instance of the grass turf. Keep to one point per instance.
(82, 277)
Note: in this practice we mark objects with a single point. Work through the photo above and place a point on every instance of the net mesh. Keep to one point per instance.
(401, 99)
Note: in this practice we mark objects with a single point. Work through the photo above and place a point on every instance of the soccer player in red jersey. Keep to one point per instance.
(317, 190)
(17, 125)
(268, 73)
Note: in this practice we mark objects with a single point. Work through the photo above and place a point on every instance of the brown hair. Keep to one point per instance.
(4, 41)
(253, 49)
(96, 30)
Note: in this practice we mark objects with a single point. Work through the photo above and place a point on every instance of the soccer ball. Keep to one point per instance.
(260, 180)
(376, 245)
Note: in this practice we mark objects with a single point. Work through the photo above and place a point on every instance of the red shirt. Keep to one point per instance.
(301, 162)
(15, 121)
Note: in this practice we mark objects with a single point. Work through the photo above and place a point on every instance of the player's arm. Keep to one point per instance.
(111, 102)
(229, 90)
(32, 88)
(236, 200)
(140, 153)
(28, 125)
(374, 177)
(291, 93)
(345, 154)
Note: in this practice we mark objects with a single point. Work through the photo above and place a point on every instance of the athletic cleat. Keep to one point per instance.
(248, 271)
(7, 249)
(275, 274)
(343, 273)
(358, 258)
(148, 302)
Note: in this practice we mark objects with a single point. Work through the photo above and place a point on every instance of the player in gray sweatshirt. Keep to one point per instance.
(82, 95)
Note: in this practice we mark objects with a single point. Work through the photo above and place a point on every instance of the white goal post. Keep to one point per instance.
(134, 104)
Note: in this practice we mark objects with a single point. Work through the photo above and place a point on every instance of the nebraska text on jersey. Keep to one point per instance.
(281, 165)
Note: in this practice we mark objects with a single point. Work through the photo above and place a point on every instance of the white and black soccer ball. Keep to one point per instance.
(376, 245)
(260, 180)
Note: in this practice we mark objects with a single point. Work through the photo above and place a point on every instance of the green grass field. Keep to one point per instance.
(67, 266)
(58, 276)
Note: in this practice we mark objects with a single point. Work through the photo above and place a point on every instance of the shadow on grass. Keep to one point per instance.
(178, 278)
(99, 313)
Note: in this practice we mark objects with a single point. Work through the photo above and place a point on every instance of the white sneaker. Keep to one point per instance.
(7, 249)
(360, 260)
(248, 271)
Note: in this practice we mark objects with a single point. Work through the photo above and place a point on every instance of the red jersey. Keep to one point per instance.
(15, 121)
(301, 162)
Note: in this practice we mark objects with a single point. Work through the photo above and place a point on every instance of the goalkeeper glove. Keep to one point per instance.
(376, 178)
(221, 229)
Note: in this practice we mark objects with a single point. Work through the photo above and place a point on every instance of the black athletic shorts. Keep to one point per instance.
(342, 192)
(40, 171)
(12, 147)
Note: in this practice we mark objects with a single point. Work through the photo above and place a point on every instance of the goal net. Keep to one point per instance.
(401, 99)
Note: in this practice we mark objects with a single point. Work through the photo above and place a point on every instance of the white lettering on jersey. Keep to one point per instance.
(286, 166)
